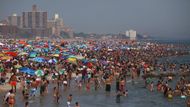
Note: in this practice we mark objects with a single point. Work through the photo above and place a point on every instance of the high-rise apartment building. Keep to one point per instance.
(56, 25)
(132, 34)
(15, 20)
(35, 22)
(34, 19)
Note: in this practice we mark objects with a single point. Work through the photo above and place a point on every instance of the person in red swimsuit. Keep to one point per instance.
(13, 82)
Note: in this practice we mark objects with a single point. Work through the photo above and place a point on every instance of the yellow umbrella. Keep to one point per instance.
(6, 57)
(72, 60)
(1, 54)
(55, 55)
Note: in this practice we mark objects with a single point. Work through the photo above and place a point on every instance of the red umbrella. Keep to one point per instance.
(38, 46)
(46, 46)
(14, 54)
(22, 42)
(6, 48)
(89, 64)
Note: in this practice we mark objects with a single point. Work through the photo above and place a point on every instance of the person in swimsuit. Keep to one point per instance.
(69, 99)
(188, 102)
(11, 100)
(108, 85)
(26, 104)
(13, 82)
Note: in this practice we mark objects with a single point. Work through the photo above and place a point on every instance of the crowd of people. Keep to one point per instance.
(90, 65)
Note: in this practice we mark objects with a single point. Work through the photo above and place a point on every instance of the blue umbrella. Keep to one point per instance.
(84, 61)
(27, 70)
(39, 59)
(32, 54)
(52, 61)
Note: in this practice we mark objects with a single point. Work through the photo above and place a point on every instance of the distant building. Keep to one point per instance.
(56, 25)
(3, 22)
(132, 34)
(9, 31)
(15, 20)
(35, 22)
(69, 31)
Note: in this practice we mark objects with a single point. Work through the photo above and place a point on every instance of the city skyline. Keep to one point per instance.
(160, 19)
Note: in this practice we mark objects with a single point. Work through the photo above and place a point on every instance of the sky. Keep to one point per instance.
(167, 19)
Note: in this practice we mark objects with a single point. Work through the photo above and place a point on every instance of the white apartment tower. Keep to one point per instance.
(132, 34)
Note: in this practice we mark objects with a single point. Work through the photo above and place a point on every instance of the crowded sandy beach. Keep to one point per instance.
(77, 73)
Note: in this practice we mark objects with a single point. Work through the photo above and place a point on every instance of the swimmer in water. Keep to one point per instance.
(77, 104)
(151, 86)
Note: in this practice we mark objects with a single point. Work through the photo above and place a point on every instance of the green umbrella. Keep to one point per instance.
(39, 73)
(1, 69)
(62, 71)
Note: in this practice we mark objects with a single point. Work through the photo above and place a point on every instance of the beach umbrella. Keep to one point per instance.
(37, 49)
(57, 52)
(104, 62)
(1, 69)
(93, 60)
(14, 54)
(39, 59)
(62, 71)
(84, 61)
(39, 73)
(5, 48)
(55, 55)
(6, 58)
(52, 61)
(32, 54)
(89, 64)
(79, 57)
(28, 46)
(72, 56)
(22, 42)
(17, 66)
(22, 53)
(1, 44)
(27, 70)
(72, 60)
(1, 54)
(65, 50)
(66, 53)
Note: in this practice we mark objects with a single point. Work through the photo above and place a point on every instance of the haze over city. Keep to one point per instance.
(161, 19)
